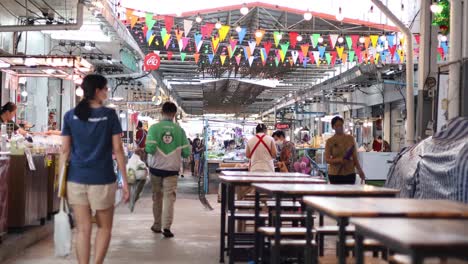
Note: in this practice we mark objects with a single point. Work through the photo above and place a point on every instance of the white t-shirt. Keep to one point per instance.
(261, 159)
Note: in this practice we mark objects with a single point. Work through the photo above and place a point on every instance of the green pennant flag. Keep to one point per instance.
(328, 57)
(276, 62)
(149, 20)
(182, 56)
(349, 41)
(277, 37)
(351, 55)
(314, 39)
(284, 47)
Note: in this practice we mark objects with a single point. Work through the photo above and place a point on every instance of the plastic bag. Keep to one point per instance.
(62, 231)
(136, 169)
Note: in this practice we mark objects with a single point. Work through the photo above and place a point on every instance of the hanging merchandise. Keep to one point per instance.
(333, 39)
(223, 31)
(442, 18)
(314, 39)
(441, 53)
(187, 26)
(168, 22)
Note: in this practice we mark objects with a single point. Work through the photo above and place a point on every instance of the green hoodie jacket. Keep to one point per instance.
(166, 144)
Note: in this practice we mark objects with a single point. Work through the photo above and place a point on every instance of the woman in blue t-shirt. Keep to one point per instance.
(91, 133)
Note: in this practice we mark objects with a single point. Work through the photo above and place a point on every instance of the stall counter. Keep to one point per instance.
(376, 164)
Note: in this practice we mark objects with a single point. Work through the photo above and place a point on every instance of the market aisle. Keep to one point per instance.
(196, 231)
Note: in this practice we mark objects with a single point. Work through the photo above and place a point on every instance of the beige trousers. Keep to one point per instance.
(164, 197)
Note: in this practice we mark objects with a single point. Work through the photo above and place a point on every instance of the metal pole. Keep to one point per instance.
(455, 56)
(409, 70)
(465, 29)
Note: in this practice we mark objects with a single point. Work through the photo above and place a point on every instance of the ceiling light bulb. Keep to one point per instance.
(24, 93)
(307, 15)
(339, 15)
(299, 38)
(198, 19)
(238, 29)
(79, 92)
(218, 25)
(340, 39)
(258, 34)
(383, 38)
(244, 10)
(443, 38)
(436, 8)
(362, 39)
(320, 39)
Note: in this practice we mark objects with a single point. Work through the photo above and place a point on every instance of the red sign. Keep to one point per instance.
(152, 62)
(282, 126)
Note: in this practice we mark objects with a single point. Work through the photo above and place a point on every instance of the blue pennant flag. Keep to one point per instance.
(444, 46)
(304, 62)
(210, 58)
(391, 40)
(242, 34)
(383, 56)
(246, 53)
(149, 33)
(321, 51)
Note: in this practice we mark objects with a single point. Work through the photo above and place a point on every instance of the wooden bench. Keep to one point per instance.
(334, 260)
(369, 245)
(329, 230)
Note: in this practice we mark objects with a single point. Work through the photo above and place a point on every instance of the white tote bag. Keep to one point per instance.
(62, 231)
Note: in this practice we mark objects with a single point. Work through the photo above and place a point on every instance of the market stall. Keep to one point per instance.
(4, 167)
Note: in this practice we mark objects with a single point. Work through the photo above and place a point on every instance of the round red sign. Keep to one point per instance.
(152, 62)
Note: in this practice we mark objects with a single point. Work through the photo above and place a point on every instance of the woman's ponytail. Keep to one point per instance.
(90, 84)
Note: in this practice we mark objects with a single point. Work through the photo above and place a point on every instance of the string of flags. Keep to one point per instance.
(294, 48)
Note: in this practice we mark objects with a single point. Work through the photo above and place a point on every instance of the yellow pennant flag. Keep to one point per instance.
(223, 31)
(402, 40)
(374, 39)
(223, 59)
(151, 40)
(340, 50)
(344, 58)
(215, 43)
(166, 38)
(401, 53)
(282, 55)
(377, 56)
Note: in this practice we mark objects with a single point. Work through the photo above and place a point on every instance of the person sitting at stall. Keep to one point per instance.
(7, 113)
(377, 144)
(286, 149)
(341, 155)
(261, 150)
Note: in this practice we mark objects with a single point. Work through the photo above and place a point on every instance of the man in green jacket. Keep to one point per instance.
(166, 144)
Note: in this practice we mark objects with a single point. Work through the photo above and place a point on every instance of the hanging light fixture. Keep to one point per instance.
(339, 15)
(340, 39)
(362, 39)
(244, 9)
(218, 25)
(307, 15)
(299, 38)
(79, 92)
(238, 29)
(436, 8)
(258, 33)
(198, 19)
(24, 93)
(320, 39)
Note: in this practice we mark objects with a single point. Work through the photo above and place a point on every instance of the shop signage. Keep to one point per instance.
(282, 126)
(152, 62)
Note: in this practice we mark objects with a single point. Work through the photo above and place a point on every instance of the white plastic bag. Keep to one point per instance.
(136, 169)
(62, 231)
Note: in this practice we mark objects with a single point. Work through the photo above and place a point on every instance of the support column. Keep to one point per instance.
(456, 33)
(387, 123)
(427, 68)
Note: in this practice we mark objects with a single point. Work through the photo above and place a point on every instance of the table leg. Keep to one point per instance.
(222, 234)
(416, 259)
(231, 222)
(308, 249)
(343, 222)
(359, 248)
(276, 249)
(257, 224)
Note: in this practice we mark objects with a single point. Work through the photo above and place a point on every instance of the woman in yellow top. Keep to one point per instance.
(341, 156)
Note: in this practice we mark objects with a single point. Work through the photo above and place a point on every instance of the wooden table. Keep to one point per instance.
(342, 209)
(228, 185)
(419, 238)
(281, 190)
(264, 174)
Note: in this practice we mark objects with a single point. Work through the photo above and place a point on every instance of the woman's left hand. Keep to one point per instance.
(362, 176)
(125, 193)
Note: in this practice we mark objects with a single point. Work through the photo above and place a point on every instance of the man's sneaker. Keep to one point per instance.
(167, 233)
(155, 230)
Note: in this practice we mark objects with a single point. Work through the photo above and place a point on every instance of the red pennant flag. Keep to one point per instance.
(145, 29)
(418, 38)
(293, 38)
(197, 57)
(392, 50)
(311, 57)
(169, 23)
(207, 29)
(441, 52)
(355, 39)
(169, 55)
(267, 45)
(333, 57)
(358, 54)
